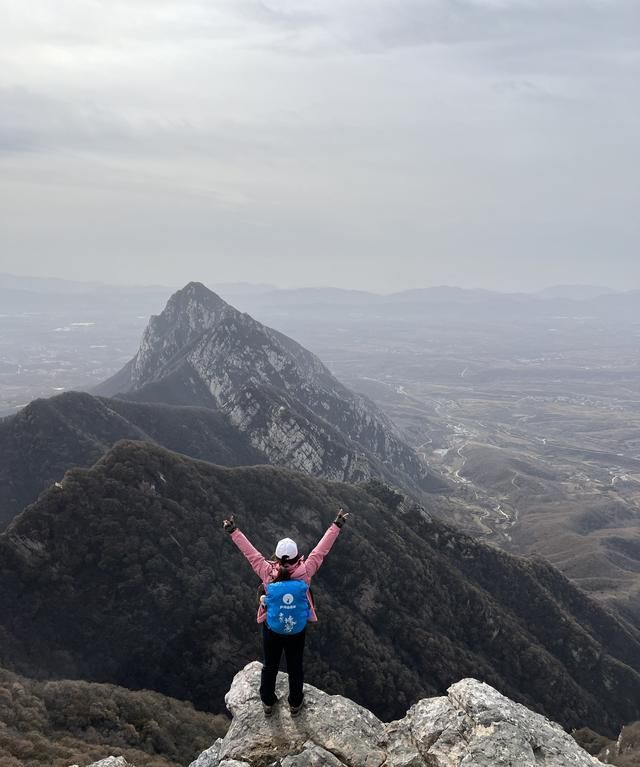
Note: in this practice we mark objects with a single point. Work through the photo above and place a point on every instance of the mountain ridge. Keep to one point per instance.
(143, 589)
(48, 437)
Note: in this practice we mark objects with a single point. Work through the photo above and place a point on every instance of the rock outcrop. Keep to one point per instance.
(472, 726)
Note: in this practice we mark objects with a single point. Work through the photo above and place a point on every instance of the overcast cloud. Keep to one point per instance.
(376, 144)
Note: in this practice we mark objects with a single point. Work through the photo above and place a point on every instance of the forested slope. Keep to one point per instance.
(124, 575)
(42, 441)
(55, 724)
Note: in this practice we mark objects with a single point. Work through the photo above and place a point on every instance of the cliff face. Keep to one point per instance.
(202, 351)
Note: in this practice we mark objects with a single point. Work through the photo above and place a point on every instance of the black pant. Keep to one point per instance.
(293, 647)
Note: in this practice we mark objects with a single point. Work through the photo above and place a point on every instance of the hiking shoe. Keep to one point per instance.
(296, 710)
(268, 710)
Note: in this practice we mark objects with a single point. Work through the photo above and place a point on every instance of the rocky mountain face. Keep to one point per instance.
(202, 351)
(473, 725)
(47, 437)
(122, 574)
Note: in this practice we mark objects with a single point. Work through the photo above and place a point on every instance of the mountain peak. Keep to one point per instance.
(189, 313)
(195, 291)
(202, 351)
(193, 304)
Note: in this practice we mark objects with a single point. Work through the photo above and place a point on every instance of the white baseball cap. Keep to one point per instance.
(286, 548)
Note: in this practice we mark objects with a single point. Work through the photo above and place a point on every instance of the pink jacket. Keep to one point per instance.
(303, 570)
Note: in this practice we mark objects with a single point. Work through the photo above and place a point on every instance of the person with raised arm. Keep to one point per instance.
(285, 607)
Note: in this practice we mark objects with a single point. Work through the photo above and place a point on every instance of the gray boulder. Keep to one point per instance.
(336, 724)
(472, 726)
(476, 726)
(210, 757)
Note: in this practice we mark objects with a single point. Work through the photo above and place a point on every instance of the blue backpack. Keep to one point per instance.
(287, 606)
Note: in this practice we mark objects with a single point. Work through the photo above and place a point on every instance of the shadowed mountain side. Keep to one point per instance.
(182, 388)
(50, 436)
(54, 724)
(124, 575)
(200, 350)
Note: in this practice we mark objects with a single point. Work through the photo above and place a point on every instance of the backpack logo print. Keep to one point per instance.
(288, 623)
(287, 606)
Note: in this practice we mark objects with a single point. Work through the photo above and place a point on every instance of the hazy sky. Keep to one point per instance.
(378, 144)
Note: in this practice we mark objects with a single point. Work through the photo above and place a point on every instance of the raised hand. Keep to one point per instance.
(229, 524)
(342, 517)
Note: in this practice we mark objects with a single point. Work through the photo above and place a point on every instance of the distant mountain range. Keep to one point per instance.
(42, 296)
(270, 294)
(123, 574)
(576, 292)
(295, 311)
(552, 301)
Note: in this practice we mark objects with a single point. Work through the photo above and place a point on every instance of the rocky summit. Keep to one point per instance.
(202, 351)
(472, 726)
